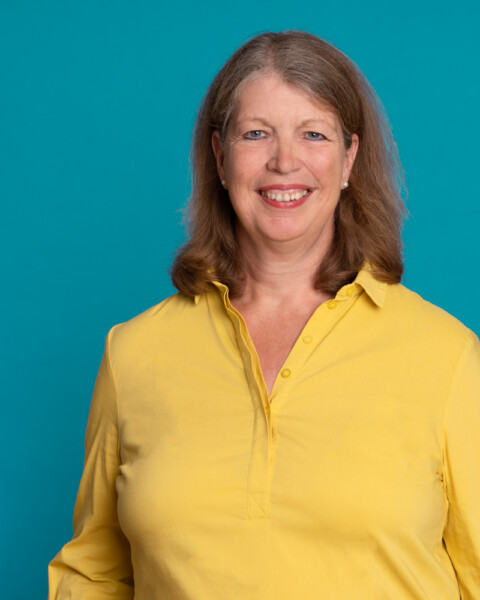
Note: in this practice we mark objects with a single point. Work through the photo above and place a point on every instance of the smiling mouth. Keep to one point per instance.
(281, 196)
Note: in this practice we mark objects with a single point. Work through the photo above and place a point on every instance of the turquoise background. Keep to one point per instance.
(97, 104)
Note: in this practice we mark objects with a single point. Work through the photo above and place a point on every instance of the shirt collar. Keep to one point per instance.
(376, 290)
(222, 288)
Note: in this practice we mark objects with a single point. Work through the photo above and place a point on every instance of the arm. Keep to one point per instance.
(96, 563)
(462, 471)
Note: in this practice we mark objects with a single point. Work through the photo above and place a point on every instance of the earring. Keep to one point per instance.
(224, 182)
(345, 184)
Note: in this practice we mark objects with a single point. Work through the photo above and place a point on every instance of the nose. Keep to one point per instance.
(283, 158)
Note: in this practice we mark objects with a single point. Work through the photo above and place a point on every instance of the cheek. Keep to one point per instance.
(243, 164)
(327, 168)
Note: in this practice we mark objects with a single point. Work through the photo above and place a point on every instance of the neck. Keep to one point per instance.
(281, 271)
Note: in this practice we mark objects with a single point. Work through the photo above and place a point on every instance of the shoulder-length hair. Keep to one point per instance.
(369, 215)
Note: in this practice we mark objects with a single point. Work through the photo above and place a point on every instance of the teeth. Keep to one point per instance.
(283, 197)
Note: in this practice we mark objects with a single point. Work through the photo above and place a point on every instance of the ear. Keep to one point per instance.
(219, 154)
(350, 155)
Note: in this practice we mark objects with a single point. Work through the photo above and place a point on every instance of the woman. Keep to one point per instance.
(294, 423)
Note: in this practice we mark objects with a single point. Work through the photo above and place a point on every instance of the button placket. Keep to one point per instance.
(273, 434)
(257, 484)
(260, 453)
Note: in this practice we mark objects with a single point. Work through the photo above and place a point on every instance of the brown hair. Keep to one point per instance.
(369, 214)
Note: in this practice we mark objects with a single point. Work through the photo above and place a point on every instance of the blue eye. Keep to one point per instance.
(255, 134)
(313, 135)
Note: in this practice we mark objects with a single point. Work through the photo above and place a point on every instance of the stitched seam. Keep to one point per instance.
(272, 462)
(112, 376)
(250, 467)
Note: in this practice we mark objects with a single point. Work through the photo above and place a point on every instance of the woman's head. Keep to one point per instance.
(368, 215)
(284, 163)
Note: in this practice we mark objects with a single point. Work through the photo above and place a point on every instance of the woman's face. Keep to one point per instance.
(284, 164)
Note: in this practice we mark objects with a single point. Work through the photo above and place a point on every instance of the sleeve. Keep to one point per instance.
(96, 563)
(462, 471)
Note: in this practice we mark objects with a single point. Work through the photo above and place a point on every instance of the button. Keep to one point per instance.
(350, 290)
(286, 373)
(267, 409)
(332, 304)
(307, 339)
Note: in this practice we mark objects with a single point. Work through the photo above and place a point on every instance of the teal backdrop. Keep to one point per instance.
(97, 103)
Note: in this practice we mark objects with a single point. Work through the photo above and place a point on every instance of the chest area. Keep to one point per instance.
(337, 447)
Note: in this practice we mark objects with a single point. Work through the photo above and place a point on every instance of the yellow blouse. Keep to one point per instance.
(357, 479)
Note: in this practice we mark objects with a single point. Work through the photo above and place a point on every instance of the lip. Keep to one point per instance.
(285, 205)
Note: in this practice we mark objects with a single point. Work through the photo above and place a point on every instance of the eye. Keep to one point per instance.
(254, 134)
(314, 135)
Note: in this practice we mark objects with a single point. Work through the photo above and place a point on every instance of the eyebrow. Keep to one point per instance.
(313, 121)
(304, 123)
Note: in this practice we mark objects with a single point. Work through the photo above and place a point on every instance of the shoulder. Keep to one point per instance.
(424, 321)
(166, 328)
(159, 318)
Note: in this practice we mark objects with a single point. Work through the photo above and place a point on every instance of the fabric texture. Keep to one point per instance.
(358, 478)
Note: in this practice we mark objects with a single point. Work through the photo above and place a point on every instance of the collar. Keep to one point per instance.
(222, 288)
(375, 289)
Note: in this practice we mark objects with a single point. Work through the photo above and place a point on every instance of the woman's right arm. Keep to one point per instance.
(96, 563)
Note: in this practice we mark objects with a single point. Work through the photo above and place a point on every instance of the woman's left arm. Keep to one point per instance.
(462, 471)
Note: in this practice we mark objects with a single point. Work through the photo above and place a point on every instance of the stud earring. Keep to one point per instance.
(224, 182)
(345, 184)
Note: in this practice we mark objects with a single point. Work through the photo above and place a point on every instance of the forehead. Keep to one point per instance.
(268, 96)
